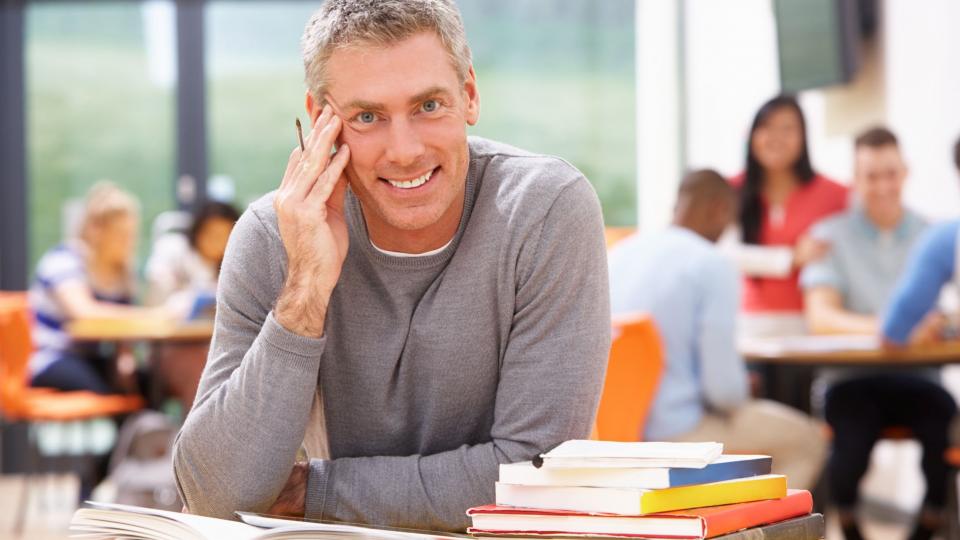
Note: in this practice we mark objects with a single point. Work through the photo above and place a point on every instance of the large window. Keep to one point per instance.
(557, 77)
(99, 100)
(255, 89)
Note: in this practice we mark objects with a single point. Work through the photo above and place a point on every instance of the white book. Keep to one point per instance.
(726, 467)
(583, 454)
(109, 521)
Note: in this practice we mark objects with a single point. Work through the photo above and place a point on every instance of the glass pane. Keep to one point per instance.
(557, 77)
(100, 105)
(255, 91)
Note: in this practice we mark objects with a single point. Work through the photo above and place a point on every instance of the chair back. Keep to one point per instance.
(613, 235)
(633, 374)
(16, 346)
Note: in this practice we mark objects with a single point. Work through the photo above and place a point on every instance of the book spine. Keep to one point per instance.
(717, 472)
(810, 527)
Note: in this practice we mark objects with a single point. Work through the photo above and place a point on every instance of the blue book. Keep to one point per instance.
(726, 467)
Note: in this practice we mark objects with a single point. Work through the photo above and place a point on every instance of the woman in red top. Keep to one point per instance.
(781, 196)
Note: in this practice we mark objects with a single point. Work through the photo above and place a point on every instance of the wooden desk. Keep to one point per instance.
(130, 330)
(788, 365)
(177, 354)
(822, 351)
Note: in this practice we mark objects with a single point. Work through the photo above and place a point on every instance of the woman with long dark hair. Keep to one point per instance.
(781, 196)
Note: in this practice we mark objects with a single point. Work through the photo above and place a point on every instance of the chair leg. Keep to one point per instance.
(29, 467)
(952, 525)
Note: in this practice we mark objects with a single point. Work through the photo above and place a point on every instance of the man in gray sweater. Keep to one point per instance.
(413, 309)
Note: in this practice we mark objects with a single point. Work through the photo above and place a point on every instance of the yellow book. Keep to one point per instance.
(636, 502)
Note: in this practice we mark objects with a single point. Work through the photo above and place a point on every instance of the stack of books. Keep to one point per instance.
(603, 489)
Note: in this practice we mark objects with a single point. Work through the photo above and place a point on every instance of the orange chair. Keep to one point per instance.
(633, 373)
(21, 403)
(613, 235)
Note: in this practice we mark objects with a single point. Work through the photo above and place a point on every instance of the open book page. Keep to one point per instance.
(108, 521)
(112, 520)
(289, 529)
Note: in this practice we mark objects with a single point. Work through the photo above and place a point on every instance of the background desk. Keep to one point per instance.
(176, 356)
(788, 365)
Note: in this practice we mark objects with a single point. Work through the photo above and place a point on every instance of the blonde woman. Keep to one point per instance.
(87, 276)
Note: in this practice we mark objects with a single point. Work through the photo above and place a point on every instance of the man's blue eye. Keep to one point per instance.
(366, 117)
(430, 105)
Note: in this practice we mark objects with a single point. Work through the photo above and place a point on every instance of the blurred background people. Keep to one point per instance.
(691, 290)
(846, 291)
(89, 276)
(913, 317)
(781, 196)
(183, 269)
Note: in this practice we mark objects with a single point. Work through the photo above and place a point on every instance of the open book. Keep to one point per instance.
(109, 521)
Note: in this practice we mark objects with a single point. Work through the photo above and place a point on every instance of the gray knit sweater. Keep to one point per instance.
(432, 370)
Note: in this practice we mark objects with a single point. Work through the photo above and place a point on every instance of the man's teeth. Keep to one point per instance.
(410, 184)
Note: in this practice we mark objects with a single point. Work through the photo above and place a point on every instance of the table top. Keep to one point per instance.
(845, 350)
(140, 330)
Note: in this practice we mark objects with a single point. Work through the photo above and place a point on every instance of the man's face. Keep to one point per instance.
(879, 177)
(405, 114)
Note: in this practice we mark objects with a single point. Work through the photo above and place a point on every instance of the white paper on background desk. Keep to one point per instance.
(807, 344)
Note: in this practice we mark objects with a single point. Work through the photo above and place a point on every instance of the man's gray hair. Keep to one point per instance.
(344, 23)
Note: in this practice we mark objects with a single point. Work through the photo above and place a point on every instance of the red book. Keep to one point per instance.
(699, 523)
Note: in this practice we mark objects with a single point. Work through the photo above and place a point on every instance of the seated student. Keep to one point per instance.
(182, 270)
(781, 197)
(911, 316)
(845, 293)
(89, 276)
(691, 290)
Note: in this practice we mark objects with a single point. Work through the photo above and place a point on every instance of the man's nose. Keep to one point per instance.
(404, 147)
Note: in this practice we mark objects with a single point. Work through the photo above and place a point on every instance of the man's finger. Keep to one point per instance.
(317, 159)
(328, 180)
(292, 163)
(318, 153)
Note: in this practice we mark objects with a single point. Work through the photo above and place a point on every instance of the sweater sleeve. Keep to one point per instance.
(551, 376)
(930, 267)
(238, 443)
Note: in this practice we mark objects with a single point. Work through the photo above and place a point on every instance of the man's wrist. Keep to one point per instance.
(302, 305)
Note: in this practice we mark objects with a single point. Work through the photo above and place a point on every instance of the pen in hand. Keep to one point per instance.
(300, 135)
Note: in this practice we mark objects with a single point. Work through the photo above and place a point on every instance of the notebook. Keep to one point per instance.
(724, 468)
(579, 454)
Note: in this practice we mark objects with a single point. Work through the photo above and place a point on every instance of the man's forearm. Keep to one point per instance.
(839, 321)
(421, 492)
(302, 305)
(238, 443)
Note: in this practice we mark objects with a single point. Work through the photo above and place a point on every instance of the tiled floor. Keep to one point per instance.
(51, 503)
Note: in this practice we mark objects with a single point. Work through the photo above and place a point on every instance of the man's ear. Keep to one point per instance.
(473, 97)
(313, 108)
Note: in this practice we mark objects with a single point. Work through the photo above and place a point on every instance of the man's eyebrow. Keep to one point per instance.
(365, 105)
(428, 93)
(372, 106)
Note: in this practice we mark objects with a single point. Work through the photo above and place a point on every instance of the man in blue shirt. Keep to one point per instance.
(912, 317)
(844, 293)
(691, 290)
